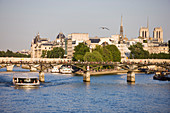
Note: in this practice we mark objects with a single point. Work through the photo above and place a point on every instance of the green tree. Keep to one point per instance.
(106, 54)
(116, 55)
(49, 54)
(137, 51)
(80, 51)
(93, 57)
(57, 52)
(9, 53)
(2, 53)
(159, 56)
(44, 54)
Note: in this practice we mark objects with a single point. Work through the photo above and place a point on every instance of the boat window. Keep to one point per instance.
(27, 80)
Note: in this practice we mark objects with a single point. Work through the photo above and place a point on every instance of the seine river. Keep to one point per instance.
(68, 93)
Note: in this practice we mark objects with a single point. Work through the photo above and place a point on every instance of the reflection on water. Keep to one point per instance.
(68, 93)
(26, 88)
(131, 83)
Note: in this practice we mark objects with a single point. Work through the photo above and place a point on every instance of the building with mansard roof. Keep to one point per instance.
(39, 44)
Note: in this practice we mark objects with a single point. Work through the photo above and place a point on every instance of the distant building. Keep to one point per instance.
(60, 41)
(157, 48)
(69, 49)
(78, 38)
(158, 34)
(24, 51)
(153, 44)
(39, 44)
(115, 38)
(144, 32)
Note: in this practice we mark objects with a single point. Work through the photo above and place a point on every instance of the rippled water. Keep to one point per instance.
(68, 93)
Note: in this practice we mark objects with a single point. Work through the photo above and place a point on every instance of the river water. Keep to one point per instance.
(68, 93)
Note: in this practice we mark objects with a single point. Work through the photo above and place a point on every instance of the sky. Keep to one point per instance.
(21, 20)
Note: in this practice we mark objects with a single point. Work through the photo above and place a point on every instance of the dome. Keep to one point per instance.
(60, 35)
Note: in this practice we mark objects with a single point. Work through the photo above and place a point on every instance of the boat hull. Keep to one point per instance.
(26, 84)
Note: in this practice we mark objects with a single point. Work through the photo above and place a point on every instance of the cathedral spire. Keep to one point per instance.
(121, 28)
(148, 22)
(121, 21)
(121, 32)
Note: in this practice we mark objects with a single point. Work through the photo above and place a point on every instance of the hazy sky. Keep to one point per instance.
(21, 20)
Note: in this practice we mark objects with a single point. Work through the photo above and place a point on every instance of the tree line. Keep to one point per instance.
(137, 52)
(9, 53)
(99, 54)
(57, 52)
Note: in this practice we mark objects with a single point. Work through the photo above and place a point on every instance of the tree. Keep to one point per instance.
(9, 53)
(137, 51)
(2, 53)
(44, 54)
(116, 55)
(106, 54)
(57, 52)
(93, 57)
(159, 56)
(80, 51)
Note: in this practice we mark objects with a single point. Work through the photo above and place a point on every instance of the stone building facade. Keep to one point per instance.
(39, 44)
(158, 34)
(144, 33)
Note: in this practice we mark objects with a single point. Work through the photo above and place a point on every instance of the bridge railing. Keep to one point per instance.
(12, 59)
(65, 61)
(146, 60)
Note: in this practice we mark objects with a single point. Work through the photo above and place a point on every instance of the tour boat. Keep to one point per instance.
(55, 69)
(66, 70)
(161, 76)
(26, 80)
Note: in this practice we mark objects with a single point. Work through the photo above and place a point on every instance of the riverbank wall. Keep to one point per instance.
(107, 72)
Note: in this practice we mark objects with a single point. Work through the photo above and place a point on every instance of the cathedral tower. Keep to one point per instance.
(144, 31)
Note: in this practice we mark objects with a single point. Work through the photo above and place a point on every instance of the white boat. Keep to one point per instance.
(55, 69)
(28, 80)
(66, 70)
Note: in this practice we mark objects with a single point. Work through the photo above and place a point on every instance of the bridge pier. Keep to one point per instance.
(86, 77)
(130, 76)
(9, 67)
(41, 76)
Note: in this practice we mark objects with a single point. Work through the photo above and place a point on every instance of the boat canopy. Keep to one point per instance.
(25, 76)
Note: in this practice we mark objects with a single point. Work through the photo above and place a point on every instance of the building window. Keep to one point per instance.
(143, 34)
(153, 35)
